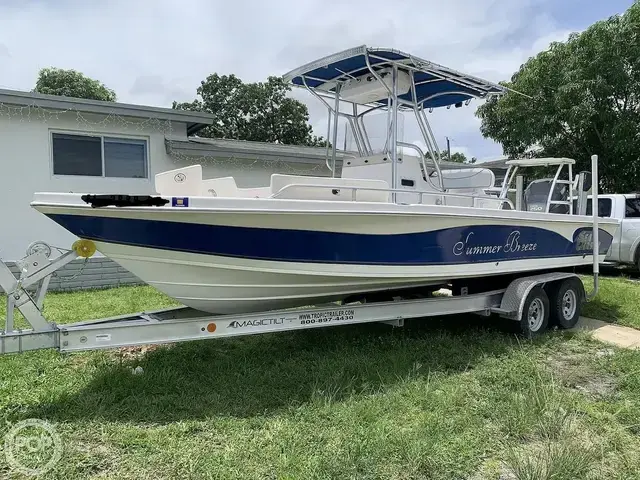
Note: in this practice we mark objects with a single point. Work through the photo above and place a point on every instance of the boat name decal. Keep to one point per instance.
(511, 245)
(584, 241)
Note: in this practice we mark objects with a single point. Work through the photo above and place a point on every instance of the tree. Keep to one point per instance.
(70, 83)
(456, 157)
(581, 97)
(252, 111)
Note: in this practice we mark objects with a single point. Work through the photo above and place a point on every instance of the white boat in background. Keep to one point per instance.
(389, 221)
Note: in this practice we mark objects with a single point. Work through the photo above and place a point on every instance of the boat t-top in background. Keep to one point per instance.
(390, 228)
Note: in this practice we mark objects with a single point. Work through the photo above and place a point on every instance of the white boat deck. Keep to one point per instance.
(465, 189)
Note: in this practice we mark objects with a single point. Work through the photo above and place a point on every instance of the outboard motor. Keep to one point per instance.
(536, 196)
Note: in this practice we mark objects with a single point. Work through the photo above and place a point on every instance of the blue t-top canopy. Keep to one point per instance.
(435, 85)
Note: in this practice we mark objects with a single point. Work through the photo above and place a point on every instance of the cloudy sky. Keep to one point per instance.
(156, 51)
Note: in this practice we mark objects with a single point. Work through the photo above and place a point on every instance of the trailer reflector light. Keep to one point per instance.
(211, 327)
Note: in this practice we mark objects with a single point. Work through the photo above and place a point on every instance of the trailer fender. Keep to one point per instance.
(513, 300)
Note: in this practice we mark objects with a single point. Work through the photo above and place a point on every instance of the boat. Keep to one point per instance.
(386, 220)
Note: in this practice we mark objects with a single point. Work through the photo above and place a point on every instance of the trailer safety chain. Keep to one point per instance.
(83, 248)
(68, 279)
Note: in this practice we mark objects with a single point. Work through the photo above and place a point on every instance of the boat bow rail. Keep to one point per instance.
(440, 198)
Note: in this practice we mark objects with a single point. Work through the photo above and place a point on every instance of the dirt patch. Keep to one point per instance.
(598, 386)
(494, 469)
(135, 353)
(575, 371)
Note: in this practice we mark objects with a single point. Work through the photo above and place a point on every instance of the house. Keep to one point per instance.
(61, 144)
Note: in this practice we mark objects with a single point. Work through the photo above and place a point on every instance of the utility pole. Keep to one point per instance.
(448, 148)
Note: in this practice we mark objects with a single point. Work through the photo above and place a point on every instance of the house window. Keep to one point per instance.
(99, 156)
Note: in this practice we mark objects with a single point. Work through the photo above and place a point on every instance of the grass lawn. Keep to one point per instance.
(618, 301)
(450, 398)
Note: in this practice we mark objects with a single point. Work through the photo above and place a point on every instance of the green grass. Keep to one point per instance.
(451, 398)
(618, 301)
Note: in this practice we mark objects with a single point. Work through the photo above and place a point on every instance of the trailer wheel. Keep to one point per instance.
(535, 312)
(566, 302)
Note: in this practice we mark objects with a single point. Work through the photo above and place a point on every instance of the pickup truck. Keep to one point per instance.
(625, 249)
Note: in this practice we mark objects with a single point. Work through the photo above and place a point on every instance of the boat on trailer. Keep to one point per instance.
(386, 221)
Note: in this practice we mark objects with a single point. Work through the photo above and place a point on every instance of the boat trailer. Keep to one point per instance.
(535, 301)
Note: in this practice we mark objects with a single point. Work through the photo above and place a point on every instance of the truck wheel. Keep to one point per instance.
(535, 314)
(565, 300)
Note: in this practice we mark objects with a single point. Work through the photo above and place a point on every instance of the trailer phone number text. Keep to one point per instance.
(325, 317)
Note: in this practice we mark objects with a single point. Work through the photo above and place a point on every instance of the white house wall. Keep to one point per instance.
(25, 167)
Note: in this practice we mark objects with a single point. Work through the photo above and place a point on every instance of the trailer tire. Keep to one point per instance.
(535, 313)
(565, 300)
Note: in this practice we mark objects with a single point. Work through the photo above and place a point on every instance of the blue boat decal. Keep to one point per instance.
(456, 245)
(179, 201)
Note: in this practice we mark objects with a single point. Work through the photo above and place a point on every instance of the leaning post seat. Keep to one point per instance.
(187, 181)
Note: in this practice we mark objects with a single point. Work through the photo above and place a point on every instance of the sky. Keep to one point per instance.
(152, 52)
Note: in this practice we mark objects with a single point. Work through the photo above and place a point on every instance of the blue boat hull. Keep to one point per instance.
(448, 246)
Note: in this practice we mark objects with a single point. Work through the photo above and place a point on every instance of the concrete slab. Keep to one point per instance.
(618, 335)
